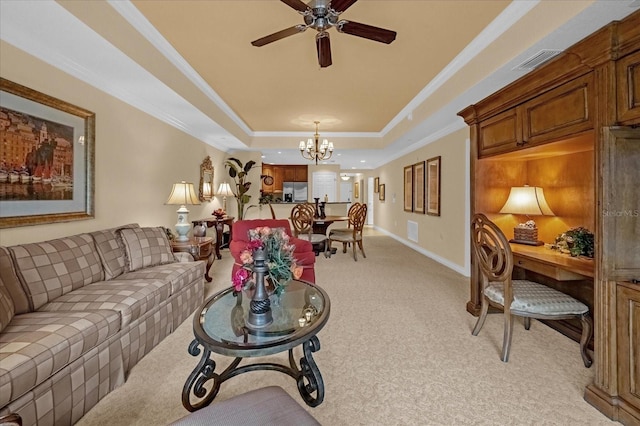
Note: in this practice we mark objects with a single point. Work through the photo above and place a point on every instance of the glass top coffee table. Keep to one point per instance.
(219, 327)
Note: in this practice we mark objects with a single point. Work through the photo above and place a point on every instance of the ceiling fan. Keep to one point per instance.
(322, 15)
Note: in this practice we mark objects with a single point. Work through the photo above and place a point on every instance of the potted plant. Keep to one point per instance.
(577, 241)
(238, 172)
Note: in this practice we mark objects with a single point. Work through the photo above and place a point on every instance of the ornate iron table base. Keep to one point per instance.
(307, 376)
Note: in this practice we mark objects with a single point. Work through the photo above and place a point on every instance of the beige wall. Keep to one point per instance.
(138, 157)
(440, 237)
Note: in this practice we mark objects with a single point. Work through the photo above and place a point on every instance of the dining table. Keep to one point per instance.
(320, 225)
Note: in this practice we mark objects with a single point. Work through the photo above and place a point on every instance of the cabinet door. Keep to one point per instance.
(278, 178)
(561, 112)
(267, 170)
(289, 173)
(628, 318)
(301, 174)
(628, 74)
(501, 133)
(620, 165)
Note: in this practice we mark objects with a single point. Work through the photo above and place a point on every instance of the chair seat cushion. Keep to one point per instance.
(266, 406)
(534, 298)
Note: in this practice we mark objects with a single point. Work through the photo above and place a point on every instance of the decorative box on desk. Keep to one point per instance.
(528, 236)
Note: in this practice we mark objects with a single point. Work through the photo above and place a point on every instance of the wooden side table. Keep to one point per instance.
(219, 224)
(201, 248)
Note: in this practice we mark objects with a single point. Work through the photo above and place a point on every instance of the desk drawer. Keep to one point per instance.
(552, 271)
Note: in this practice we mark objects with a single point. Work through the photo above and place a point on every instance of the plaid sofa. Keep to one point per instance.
(77, 313)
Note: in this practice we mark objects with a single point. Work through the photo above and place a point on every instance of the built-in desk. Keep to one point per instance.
(550, 263)
(571, 275)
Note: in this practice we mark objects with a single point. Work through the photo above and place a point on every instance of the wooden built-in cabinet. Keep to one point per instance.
(281, 174)
(628, 75)
(570, 127)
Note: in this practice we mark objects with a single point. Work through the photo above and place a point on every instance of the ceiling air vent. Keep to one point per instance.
(538, 59)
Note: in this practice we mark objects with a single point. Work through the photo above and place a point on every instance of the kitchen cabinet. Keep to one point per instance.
(281, 174)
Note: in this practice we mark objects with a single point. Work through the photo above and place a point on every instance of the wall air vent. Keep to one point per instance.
(538, 59)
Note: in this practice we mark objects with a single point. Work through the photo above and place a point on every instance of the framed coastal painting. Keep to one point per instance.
(46, 160)
(433, 186)
(376, 184)
(418, 187)
(381, 192)
(408, 189)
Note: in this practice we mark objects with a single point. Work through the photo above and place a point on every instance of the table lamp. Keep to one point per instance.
(526, 200)
(182, 194)
(225, 190)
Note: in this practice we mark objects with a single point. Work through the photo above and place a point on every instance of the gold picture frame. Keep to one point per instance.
(381, 192)
(206, 180)
(433, 186)
(418, 187)
(356, 190)
(376, 184)
(408, 189)
(56, 182)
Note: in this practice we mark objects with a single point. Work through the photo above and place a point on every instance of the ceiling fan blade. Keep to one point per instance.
(279, 35)
(296, 4)
(366, 31)
(323, 44)
(341, 5)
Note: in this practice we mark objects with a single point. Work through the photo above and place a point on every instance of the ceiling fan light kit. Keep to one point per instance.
(321, 15)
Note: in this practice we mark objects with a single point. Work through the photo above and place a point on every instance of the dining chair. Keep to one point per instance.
(302, 223)
(523, 298)
(354, 236)
(350, 215)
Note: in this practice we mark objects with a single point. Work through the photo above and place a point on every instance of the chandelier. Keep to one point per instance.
(314, 150)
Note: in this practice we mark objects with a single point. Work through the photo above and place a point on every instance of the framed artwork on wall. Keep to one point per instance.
(46, 160)
(433, 186)
(376, 184)
(381, 192)
(408, 189)
(418, 187)
(356, 190)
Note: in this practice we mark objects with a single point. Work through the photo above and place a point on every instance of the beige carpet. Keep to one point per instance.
(397, 350)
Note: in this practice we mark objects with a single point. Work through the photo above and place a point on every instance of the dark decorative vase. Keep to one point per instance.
(316, 214)
(260, 306)
(322, 215)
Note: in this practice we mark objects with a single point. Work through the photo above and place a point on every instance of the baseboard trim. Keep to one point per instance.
(445, 262)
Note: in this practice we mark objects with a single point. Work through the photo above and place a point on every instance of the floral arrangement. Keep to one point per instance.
(576, 241)
(280, 261)
(219, 213)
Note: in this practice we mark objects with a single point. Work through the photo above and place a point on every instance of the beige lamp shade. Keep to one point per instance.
(225, 191)
(527, 200)
(182, 194)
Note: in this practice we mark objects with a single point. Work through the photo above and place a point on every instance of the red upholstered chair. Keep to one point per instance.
(303, 253)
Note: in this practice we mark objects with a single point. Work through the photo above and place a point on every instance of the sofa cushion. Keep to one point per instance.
(180, 275)
(37, 344)
(132, 298)
(52, 268)
(7, 309)
(9, 280)
(111, 250)
(146, 247)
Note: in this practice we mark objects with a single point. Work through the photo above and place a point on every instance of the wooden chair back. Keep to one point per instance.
(302, 219)
(491, 249)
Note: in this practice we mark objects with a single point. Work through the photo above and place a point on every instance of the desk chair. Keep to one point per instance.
(354, 235)
(302, 222)
(523, 298)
